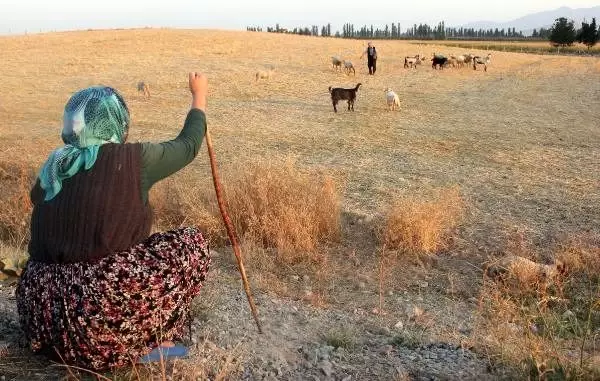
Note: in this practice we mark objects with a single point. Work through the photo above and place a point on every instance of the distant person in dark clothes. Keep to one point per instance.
(371, 53)
(99, 291)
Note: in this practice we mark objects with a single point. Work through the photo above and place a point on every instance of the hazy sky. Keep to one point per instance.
(35, 15)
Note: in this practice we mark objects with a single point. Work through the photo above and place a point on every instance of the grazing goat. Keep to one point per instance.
(460, 60)
(412, 61)
(468, 58)
(392, 99)
(264, 74)
(340, 94)
(348, 67)
(440, 61)
(452, 61)
(145, 88)
(482, 61)
(336, 63)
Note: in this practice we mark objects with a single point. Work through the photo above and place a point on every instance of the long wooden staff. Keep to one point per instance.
(230, 229)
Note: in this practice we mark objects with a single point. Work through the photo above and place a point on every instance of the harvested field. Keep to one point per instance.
(519, 143)
(535, 47)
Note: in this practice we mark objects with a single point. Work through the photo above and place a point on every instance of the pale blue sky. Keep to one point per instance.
(35, 15)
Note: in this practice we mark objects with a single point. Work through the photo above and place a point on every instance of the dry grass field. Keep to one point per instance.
(474, 166)
(541, 47)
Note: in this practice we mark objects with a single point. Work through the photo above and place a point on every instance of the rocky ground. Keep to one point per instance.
(300, 341)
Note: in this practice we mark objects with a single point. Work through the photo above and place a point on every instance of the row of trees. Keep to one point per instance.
(394, 31)
(562, 33)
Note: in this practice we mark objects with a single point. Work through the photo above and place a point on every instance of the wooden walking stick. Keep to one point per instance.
(230, 229)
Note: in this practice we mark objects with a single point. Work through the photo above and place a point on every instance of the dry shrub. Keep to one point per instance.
(284, 218)
(16, 181)
(581, 254)
(547, 326)
(278, 206)
(272, 206)
(419, 226)
(184, 200)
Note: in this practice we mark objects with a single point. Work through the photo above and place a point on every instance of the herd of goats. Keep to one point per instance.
(438, 61)
(338, 94)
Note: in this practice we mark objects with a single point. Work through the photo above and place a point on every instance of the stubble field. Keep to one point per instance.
(518, 144)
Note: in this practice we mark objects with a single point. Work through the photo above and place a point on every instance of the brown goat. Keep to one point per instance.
(341, 94)
(143, 87)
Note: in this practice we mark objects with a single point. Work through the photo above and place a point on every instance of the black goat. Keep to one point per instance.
(438, 60)
(340, 94)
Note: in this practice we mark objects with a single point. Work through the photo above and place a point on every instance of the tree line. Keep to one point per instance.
(562, 33)
(394, 31)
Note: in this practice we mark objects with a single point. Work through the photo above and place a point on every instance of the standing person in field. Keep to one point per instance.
(99, 291)
(371, 53)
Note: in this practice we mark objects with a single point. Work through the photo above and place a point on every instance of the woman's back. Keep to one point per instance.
(97, 212)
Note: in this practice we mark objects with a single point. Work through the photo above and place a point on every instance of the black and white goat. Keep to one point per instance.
(482, 61)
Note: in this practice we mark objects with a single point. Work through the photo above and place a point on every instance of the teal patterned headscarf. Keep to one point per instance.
(93, 117)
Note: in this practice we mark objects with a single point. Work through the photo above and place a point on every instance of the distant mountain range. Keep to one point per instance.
(540, 20)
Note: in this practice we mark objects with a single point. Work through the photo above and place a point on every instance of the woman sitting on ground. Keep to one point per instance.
(99, 291)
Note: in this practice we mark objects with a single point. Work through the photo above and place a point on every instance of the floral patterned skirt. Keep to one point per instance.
(110, 313)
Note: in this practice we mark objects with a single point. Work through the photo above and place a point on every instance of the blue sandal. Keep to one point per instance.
(166, 353)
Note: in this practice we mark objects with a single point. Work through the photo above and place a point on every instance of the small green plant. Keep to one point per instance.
(408, 339)
(341, 338)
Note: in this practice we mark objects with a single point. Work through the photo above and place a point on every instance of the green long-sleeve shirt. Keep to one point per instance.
(160, 160)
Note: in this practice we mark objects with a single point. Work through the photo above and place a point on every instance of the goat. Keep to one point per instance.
(144, 87)
(336, 63)
(525, 270)
(440, 61)
(460, 60)
(341, 94)
(264, 74)
(452, 61)
(392, 99)
(412, 61)
(468, 58)
(348, 66)
(482, 61)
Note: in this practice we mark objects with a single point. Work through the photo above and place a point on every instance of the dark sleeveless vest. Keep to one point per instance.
(97, 212)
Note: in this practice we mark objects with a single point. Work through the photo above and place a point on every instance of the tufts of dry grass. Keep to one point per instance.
(546, 326)
(273, 206)
(12, 261)
(278, 206)
(422, 227)
(16, 180)
(184, 200)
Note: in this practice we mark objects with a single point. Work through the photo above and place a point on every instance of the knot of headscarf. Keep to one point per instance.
(93, 117)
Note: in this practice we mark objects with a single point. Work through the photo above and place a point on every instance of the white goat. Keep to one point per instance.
(348, 66)
(412, 61)
(482, 61)
(392, 99)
